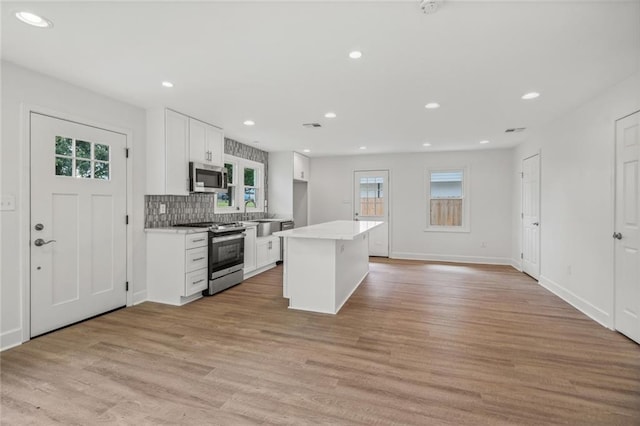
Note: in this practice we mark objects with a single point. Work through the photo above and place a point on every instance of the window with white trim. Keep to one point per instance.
(245, 187)
(448, 200)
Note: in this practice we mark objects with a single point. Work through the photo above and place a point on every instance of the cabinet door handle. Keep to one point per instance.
(197, 241)
(199, 258)
(302, 175)
(198, 282)
(270, 245)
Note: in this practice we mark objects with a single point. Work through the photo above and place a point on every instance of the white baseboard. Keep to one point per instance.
(139, 297)
(10, 339)
(593, 312)
(451, 258)
(516, 264)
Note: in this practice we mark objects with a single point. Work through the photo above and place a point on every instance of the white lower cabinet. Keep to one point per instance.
(249, 250)
(177, 265)
(267, 250)
(260, 253)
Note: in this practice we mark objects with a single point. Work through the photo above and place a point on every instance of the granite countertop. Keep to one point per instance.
(336, 230)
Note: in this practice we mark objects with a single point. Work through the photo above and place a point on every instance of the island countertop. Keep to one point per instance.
(336, 230)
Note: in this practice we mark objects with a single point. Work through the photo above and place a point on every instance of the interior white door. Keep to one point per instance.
(627, 222)
(78, 230)
(371, 202)
(531, 216)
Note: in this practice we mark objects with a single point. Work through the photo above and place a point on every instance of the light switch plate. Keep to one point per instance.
(7, 203)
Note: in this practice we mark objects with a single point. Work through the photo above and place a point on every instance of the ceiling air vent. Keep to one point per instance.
(515, 130)
(311, 125)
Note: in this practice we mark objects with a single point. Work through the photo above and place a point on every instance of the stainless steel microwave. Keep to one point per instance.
(206, 178)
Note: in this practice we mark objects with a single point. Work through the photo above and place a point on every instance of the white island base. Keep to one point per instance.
(325, 263)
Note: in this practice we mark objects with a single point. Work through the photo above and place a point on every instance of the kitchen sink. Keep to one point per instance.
(267, 227)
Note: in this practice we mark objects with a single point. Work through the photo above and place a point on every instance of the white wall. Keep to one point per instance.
(577, 199)
(492, 176)
(23, 87)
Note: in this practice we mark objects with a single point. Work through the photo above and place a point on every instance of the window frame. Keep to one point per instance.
(465, 227)
(239, 164)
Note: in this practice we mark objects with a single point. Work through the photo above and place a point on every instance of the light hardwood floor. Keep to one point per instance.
(418, 343)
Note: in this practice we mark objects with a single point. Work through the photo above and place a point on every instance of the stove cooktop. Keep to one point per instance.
(214, 226)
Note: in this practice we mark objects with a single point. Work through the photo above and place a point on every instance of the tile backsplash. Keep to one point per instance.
(199, 207)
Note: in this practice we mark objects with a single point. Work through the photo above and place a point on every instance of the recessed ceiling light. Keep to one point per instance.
(426, 144)
(530, 95)
(249, 123)
(356, 54)
(484, 142)
(167, 84)
(330, 115)
(306, 150)
(363, 147)
(432, 105)
(33, 19)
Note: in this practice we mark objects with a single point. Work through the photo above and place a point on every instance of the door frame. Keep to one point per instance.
(25, 201)
(614, 199)
(390, 200)
(521, 261)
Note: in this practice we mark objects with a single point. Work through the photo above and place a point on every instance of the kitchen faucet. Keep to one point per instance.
(244, 215)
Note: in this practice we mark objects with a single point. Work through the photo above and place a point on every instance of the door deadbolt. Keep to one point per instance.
(39, 227)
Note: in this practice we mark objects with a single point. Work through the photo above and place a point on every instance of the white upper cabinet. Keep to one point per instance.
(300, 167)
(206, 143)
(167, 152)
(174, 139)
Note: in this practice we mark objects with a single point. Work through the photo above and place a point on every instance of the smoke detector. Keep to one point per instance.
(430, 6)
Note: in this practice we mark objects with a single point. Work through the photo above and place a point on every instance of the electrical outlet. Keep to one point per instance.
(7, 203)
(163, 208)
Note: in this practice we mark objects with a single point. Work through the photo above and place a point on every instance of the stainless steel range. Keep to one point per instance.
(226, 254)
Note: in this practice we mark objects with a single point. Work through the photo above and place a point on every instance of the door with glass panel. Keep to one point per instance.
(78, 222)
(371, 202)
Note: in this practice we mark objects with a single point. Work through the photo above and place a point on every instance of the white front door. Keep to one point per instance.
(531, 216)
(371, 202)
(78, 230)
(627, 223)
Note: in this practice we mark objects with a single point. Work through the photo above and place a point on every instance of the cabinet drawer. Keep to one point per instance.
(195, 281)
(196, 240)
(196, 259)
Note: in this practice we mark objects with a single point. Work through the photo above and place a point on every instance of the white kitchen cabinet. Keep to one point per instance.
(300, 167)
(249, 250)
(267, 250)
(177, 266)
(206, 143)
(287, 197)
(167, 152)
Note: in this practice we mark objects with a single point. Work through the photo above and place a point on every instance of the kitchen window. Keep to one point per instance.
(245, 190)
(448, 200)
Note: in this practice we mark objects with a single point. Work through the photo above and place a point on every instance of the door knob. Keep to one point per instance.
(40, 242)
(617, 235)
(536, 223)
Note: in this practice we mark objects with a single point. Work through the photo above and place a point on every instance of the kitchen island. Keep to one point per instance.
(325, 263)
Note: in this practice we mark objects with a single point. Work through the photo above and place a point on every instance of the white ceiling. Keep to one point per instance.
(282, 64)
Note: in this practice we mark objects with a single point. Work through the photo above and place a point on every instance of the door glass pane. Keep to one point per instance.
(83, 149)
(64, 166)
(101, 152)
(371, 196)
(101, 170)
(83, 168)
(63, 146)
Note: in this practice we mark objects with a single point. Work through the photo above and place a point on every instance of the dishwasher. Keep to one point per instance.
(287, 224)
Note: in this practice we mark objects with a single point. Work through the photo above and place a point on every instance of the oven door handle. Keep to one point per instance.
(227, 238)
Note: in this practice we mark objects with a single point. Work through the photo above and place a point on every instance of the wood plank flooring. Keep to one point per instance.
(418, 343)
